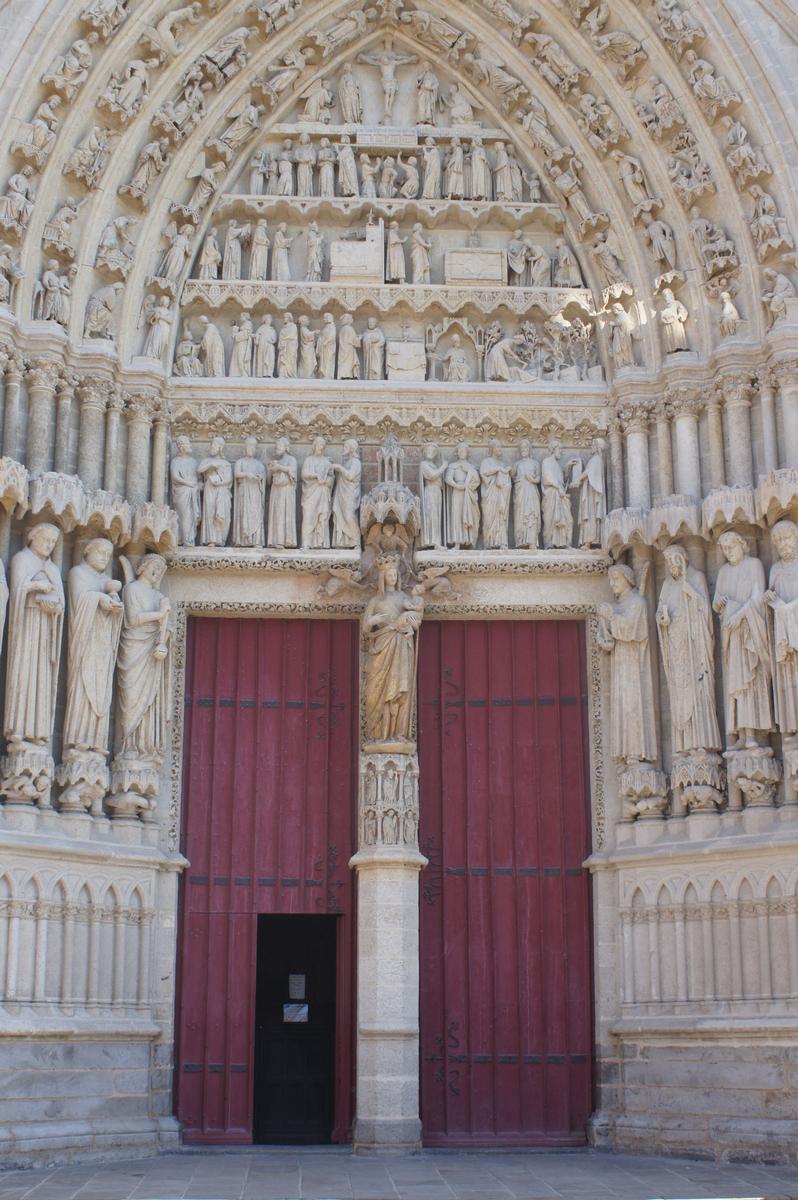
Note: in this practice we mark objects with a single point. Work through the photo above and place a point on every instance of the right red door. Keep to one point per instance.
(506, 994)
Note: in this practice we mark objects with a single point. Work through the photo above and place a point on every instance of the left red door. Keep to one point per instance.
(269, 782)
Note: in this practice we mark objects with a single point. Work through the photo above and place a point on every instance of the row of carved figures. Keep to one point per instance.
(758, 628)
(115, 635)
(218, 500)
(461, 171)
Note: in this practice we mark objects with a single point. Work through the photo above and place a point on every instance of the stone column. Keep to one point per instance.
(664, 450)
(387, 866)
(12, 417)
(139, 410)
(160, 437)
(635, 417)
(93, 400)
(686, 409)
(616, 464)
(766, 381)
(112, 467)
(737, 399)
(787, 375)
(42, 378)
(717, 462)
(65, 388)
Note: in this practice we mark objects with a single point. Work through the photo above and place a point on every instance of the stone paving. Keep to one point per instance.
(334, 1174)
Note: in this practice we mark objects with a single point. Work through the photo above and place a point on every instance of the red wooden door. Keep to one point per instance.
(506, 1032)
(269, 784)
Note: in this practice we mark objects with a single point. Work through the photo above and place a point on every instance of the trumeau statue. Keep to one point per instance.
(740, 601)
(782, 597)
(346, 497)
(282, 497)
(496, 492)
(249, 508)
(317, 484)
(143, 671)
(216, 474)
(186, 492)
(431, 489)
(592, 496)
(389, 629)
(526, 498)
(36, 618)
(462, 501)
(687, 640)
(624, 636)
(558, 522)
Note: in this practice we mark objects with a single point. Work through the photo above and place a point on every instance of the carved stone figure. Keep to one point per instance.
(456, 367)
(481, 185)
(314, 266)
(433, 170)
(609, 260)
(622, 335)
(151, 161)
(346, 498)
(265, 343)
(395, 267)
(241, 355)
(388, 177)
(437, 33)
(686, 638)
(781, 289)
(558, 521)
(496, 493)
(285, 170)
(216, 474)
(564, 174)
(17, 204)
(411, 183)
(782, 597)
(526, 498)
(673, 316)
(566, 268)
(372, 342)
(249, 508)
(188, 364)
(342, 32)
(159, 319)
(94, 628)
(36, 617)
(234, 240)
(327, 346)
(368, 176)
(454, 171)
(210, 258)
(128, 89)
(635, 184)
(462, 501)
(89, 158)
(318, 103)
(68, 72)
(350, 100)
(115, 249)
(99, 318)
(746, 162)
(208, 182)
(740, 601)
(678, 28)
(35, 138)
(493, 75)
(592, 496)
(504, 363)
(10, 275)
(770, 231)
(389, 629)
(282, 497)
(431, 490)
(186, 492)
(307, 348)
(281, 266)
(317, 484)
(617, 46)
(535, 120)
(348, 347)
(211, 349)
(52, 296)
(327, 158)
(162, 36)
(105, 16)
(712, 91)
(288, 349)
(427, 95)
(305, 159)
(729, 315)
(660, 239)
(259, 251)
(386, 61)
(285, 76)
(554, 64)
(177, 253)
(624, 636)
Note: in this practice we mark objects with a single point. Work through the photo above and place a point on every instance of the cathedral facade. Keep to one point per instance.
(398, 575)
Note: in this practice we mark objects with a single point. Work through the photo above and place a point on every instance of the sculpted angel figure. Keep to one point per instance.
(740, 602)
(342, 32)
(493, 75)
(389, 630)
(624, 636)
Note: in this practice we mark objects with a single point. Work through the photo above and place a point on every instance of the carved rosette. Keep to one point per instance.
(754, 776)
(623, 528)
(728, 506)
(13, 486)
(777, 495)
(699, 776)
(673, 517)
(644, 789)
(27, 774)
(389, 801)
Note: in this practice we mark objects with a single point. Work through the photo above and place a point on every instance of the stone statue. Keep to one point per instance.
(305, 159)
(152, 159)
(159, 319)
(94, 628)
(317, 484)
(346, 498)
(496, 492)
(624, 636)
(481, 186)
(326, 158)
(348, 183)
(288, 349)
(307, 348)
(368, 176)
(372, 342)
(395, 268)
(259, 251)
(314, 266)
(36, 618)
(99, 319)
(558, 521)
(68, 72)
(431, 487)
(456, 367)
(16, 205)
(687, 642)
(350, 100)
(249, 508)
(319, 100)
(454, 171)
(187, 358)
(241, 356)
(282, 497)
(462, 501)
(411, 183)
(143, 669)
(389, 631)
(234, 241)
(526, 498)
(186, 492)
(265, 342)
(285, 169)
(729, 315)
(115, 248)
(433, 170)
(129, 88)
(567, 273)
(281, 266)
(419, 255)
(210, 258)
(387, 60)
(740, 601)
(782, 597)
(780, 290)
(216, 474)
(348, 346)
(673, 316)
(427, 95)
(211, 349)
(89, 158)
(622, 336)
(326, 347)
(592, 495)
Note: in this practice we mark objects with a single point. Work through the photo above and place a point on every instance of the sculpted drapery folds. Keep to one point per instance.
(217, 485)
(462, 501)
(782, 596)
(250, 498)
(389, 630)
(686, 638)
(346, 497)
(740, 601)
(317, 484)
(496, 491)
(185, 492)
(144, 666)
(624, 636)
(94, 627)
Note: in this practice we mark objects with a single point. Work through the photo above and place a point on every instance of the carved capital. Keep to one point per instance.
(766, 379)
(684, 402)
(736, 389)
(786, 373)
(93, 392)
(164, 414)
(116, 402)
(42, 373)
(14, 366)
(67, 384)
(634, 415)
(140, 406)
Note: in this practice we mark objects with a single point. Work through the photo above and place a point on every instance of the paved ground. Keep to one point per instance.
(435, 1175)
